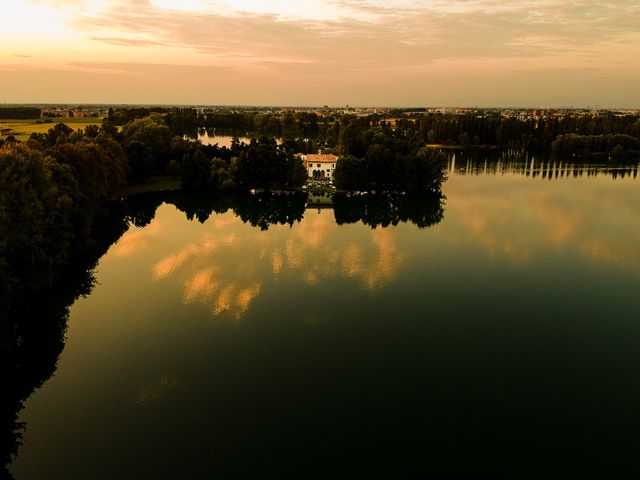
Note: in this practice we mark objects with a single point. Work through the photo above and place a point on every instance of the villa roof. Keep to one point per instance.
(324, 157)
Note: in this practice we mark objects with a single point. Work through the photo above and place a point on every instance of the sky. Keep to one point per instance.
(539, 53)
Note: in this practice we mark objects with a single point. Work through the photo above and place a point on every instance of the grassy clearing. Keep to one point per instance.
(441, 146)
(154, 184)
(22, 129)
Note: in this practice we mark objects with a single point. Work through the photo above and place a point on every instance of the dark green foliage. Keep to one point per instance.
(58, 134)
(220, 177)
(351, 173)
(141, 162)
(29, 210)
(382, 169)
(174, 169)
(296, 173)
(19, 113)
(47, 197)
(49, 189)
(426, 171)
(614, 147)
(154, 134)
(345, 132)
(99, 166)
(92, 131)
(264, 164)
(110, 128)
(196, 169)
(122, 116)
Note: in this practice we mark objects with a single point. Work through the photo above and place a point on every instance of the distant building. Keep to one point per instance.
(319, 165)
(56, 112)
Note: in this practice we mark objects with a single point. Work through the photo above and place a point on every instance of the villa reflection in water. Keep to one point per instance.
(223, 331)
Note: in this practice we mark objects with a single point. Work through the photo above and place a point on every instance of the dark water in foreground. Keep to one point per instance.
(503, 337)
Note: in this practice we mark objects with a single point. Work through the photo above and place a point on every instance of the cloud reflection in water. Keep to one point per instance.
(225, 269)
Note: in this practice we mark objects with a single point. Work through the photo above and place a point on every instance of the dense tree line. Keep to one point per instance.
(262, 163)
(385, 159)
(474, 129)
(382, 169)
(155, 145)
(49, 193)
(536, 134)
(53, 186)
(122, 116)
(372, 155)
(19, 113)
(617, 146)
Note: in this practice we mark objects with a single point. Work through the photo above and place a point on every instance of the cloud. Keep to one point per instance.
(151, 69)
(391, 52)
(377, 36)
(128, 42)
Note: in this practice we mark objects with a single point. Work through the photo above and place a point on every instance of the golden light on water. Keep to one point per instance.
(310, 252)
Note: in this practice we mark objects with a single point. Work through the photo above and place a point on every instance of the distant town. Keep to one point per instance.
(99, 111)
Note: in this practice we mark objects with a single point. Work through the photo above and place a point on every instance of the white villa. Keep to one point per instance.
(319, 165)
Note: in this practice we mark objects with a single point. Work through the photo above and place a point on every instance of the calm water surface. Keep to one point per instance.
(211, 138)
(505, 338)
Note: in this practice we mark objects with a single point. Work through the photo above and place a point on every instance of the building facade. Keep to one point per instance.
(319, 166)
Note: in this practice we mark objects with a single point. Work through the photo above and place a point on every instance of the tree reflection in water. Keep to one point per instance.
(34, 314)
(33, 322)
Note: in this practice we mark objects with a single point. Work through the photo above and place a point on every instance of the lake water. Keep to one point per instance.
(500, 333)
(210, 137)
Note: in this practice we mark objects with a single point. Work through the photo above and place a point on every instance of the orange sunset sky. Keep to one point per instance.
(316, 52)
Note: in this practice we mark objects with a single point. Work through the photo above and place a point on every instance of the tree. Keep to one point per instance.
(196, 171)
(141, 161)
(33, 235)
(220, 178)
(430, 170)
(297, 174)
(350, 173)
(265, 164)
(379, 166)
(154, 134)
(174, 169)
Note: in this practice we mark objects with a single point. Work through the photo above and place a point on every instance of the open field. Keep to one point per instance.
(22, 129)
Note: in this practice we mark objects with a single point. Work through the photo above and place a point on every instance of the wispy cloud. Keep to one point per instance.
(352, 46)
(410, 33)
